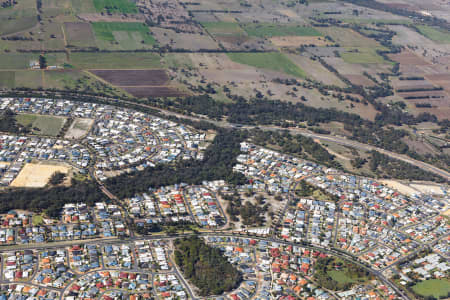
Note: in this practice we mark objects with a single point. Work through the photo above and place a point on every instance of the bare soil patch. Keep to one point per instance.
(97, 17)
(408, 58)
(359, 80)
(133, 77)
(79, 128)
(37, 175)
(79, 34)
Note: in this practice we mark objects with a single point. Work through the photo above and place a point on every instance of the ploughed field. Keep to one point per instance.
(140, 83)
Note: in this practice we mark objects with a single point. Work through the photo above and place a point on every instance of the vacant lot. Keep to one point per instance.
(122, 35)
(438, 35)
(115, 60)
(271, 30)
(153, 91)
(133, 77)
(433, 287)
(115, 6)
(79, 34)
(42, 124)
(270, 60)
(37, 175)
(79, 128)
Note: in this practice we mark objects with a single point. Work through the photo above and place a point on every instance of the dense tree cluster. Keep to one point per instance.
(220, 157)
(206, 267)
(388, 167)
(51, 200)
(57, 178)
(8, 123)
(326, 264)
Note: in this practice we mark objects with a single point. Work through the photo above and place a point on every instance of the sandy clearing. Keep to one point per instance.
(79, 128)
(429, 188)
(288, 13)
(37, 175)
(402, 188)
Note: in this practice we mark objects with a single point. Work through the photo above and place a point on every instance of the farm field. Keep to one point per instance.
(123, 36)
(271, 60)
(224, 28)
(7, 79)
(115, 6)
(133, 77)
(21, 16)
(28, 78)
(42, 124)
(297, 41)
(115, 60)
(433, 287)
(346, 37)
(438, 35)
(271, 30)
(37, 175)
(79, 34)
(362, 56)
(315, 70)
(183, 40)
(16, 60)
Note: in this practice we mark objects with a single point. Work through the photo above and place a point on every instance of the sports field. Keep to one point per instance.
(433, 287)
(269, 60)
(37, 175)
(41, 124)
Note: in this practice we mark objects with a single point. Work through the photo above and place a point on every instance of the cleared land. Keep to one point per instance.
(79, 128)
(41, 124)
(433, 287)
(133, 77)
(79, 34)
(271, 60)
(346, 37)
(115, 60)
(37, 175)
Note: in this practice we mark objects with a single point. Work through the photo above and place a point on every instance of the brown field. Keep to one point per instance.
(296, 41)
(98, 17)
(153, 91)
(439, 94)
(359, 80)
(79, 34)
(133, 77)
(37, 175)
(408, 58)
